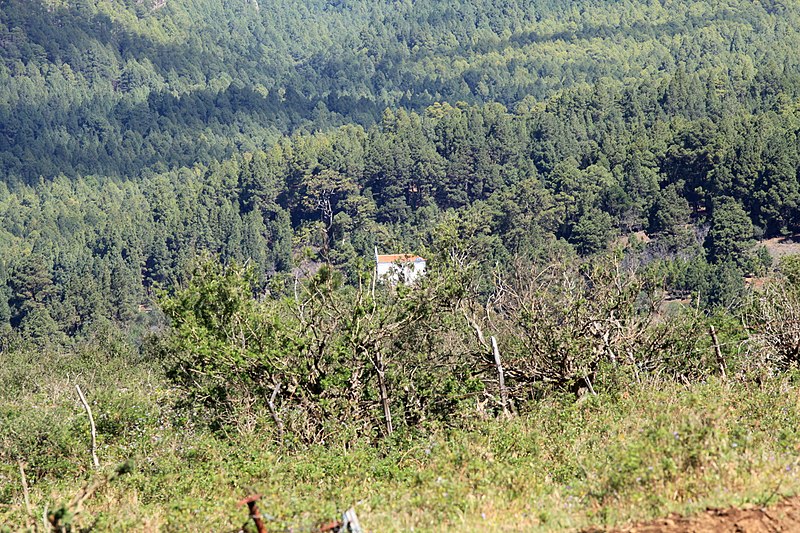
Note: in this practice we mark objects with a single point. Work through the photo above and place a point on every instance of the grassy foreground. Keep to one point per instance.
(565, 464)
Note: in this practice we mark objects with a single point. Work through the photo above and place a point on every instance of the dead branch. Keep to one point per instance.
(274, 412)
(26, 494)
(95, 460)
(718, 352)
(500, 376)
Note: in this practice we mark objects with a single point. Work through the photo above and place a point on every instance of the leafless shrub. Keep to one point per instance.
(559, 324)
(775, 319)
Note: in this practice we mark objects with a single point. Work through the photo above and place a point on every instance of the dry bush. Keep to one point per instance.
(775, 318)
(560, 324)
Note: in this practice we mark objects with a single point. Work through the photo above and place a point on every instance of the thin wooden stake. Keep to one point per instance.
(95, 460)
(500, 376)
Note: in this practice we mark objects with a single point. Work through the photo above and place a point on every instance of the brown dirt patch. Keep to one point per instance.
(783, 517)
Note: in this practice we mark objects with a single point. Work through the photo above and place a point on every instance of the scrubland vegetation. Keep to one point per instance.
(619, 406)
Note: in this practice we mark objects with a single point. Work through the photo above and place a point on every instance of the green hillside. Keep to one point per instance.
(113, 88)
(192, 192)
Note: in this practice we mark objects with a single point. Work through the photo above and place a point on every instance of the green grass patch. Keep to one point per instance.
(601, 460)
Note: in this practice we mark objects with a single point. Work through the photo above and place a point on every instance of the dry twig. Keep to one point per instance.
(95, 460)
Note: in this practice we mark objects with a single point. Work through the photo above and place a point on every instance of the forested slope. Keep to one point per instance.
(112, 87)
(136, 136)
(703, 177)
(192, 191)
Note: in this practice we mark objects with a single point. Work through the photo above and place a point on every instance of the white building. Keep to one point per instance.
(396, 268)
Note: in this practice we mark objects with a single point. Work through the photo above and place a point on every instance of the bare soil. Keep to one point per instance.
(782, 517)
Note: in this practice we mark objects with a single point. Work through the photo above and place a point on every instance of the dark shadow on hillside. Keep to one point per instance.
(115, 135)
(163, 132)
(70, 35)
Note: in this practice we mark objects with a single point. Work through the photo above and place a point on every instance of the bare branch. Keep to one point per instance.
(95, 460)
